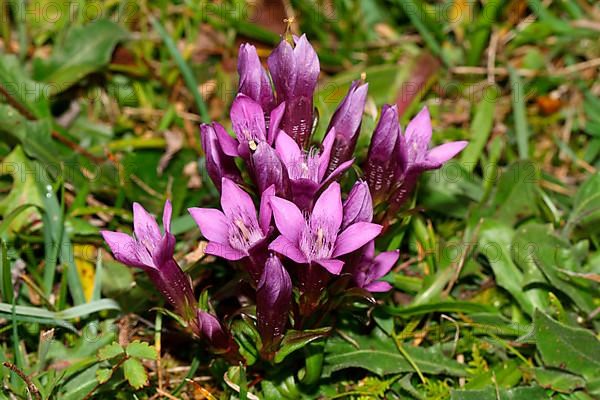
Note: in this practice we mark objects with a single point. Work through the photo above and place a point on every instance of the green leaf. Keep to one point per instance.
(33, 95)
(295, 340)
(442, 306)
(110, 351)
(103, 375)
(520, 115)
(586, 207)
(518, 393)
(481, 128)
(378, 353)
(141, 350)
(573, 349)
(517, 195)
(495, 243)
(135, 373)
(85, 49)
(559, 381)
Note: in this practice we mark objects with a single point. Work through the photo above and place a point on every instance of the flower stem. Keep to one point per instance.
(313, 362)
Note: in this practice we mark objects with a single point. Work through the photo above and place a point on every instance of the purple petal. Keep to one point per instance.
(338, 171)
(234, 200)
(358, 207)
(273, 300)
(383, 263)
(127, 251)
(268, 168)
(248, 122)
(418, 135)
(285, 247)
(224, 251)
(378, 287)
(213, 224)
(175, 286)
(326, 153)
(164, 250)
(303, 193)
(266, 212)
(328, 207)
(274, 121)
(333, 266)
(218, 164)
(355, 236)
(441, 154)
(167, 211)
(308, 68)
(227, 143)
(145, 227)
(212, 331)
(282, 66)
(254, 81)
(347, 117)
(288, 218)
(287, 149)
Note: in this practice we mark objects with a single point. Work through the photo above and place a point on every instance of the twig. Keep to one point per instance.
(528, 73)
(32, 388)
(166, 394)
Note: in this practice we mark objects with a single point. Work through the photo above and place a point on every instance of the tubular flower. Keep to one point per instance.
(152, 252)
(269, 170)
(295, 71)
(370, 268)
(346, 120)
(234, 232)
(419, 158)
(387, 154)
(208, 327)
(249, 124)
(273, 300)
(307, 171)
(317, 238)
(254, 81)
(220, 150)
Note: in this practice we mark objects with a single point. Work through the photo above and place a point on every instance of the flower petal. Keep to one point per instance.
(333, 266)
(266, 212)
(288, 218)
(126, 250)
(378, 287)
(441, 154)
(234, 199)
(224, 251)
(274, 121)
(167, 211)
(383, 263)
(248, 122)
(355, 236)
(326, 153)
(227, 143)
(328, 208)
(145, 227)
(213, 224)
(288, 249)
(418, 135)
(287, 148)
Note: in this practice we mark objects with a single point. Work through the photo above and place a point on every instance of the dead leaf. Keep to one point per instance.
(174, 139)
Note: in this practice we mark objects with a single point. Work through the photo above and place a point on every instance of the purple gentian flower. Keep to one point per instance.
(317, 238)
(273, 301)
(254, 81)
(295, 71)
(249, 125)
(307, 171)
(220, 150)
(234, 232)
(346, 120)
(208, 327)
(358, 207)
(269, 170)
(386, 160)
(370, 268)
(152, 252)
(419, 158)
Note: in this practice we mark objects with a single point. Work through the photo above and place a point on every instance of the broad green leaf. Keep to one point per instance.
(135, 373)
(586, 207)
(33, 95)
(85, 49)
(295, 340)
(559, 381)
(110, 351)
(141, 350)
(518, 393)
(103, 375)
(495, 243)
(378, 354)
(573, 349)
(516, 196)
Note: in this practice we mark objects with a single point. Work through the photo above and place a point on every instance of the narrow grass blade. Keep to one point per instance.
(97, 293)
(185, 70)
(519, 113)
(480, 129)
(7, 287)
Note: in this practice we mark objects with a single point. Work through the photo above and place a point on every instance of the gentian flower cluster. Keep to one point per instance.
(285, 221)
